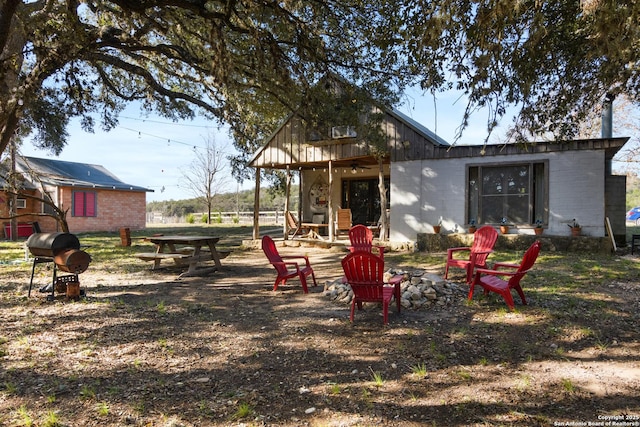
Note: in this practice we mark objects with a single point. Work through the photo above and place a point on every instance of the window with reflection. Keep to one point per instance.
(515, 192)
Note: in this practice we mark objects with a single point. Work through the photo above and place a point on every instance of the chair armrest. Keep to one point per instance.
(490, 272)
(452, 251)
(304, 257)
(286, 264)
(498, 265)
(458, 249)
(395, 280)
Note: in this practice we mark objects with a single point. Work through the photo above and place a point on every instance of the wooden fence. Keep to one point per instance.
(246, 217)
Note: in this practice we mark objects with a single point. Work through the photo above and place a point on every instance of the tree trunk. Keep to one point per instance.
(13, 224)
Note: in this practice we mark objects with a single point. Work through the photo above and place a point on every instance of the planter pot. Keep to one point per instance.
(538, 230)
(504, 229)
(436, 229)
(576, 231)
(472, 230)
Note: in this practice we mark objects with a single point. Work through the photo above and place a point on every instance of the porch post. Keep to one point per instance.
(330, 207)
(383, 202)
(256, 207)
(285, 226)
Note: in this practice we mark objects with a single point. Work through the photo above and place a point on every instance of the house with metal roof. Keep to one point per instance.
(430, 182)
(94, 198)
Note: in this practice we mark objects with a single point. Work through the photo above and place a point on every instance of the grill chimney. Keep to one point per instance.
(607, 116)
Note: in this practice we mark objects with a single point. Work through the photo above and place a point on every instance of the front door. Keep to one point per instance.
(363, 198)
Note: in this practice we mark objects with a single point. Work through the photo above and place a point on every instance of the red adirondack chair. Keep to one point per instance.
(484, 239)
(364, 272)
(489, 280)
(287, 269)
(361, 238)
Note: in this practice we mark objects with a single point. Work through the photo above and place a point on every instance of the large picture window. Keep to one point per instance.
(517, 192)
(84, 203)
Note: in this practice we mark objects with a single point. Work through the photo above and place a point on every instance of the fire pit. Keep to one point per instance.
(63, 250)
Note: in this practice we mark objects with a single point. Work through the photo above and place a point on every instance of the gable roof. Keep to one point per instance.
(427, 133)
(72, 174)
(289, 145)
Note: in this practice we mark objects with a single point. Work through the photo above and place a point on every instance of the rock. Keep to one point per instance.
(419, 290)
(430, 293)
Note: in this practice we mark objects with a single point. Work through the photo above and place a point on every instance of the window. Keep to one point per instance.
(517, 192)
(21, 203)
(84, 203)
(48, 209)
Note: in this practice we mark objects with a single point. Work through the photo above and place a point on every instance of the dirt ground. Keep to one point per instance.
(153, 349)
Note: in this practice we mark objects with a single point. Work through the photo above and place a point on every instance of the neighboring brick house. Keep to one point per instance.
(94, 198)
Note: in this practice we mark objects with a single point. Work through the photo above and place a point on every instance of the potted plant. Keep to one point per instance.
(538, 227)
(504, 227)
(472, 226)
(438, 226)
(576, 229)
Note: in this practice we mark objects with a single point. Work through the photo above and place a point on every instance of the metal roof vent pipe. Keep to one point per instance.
(607, 116)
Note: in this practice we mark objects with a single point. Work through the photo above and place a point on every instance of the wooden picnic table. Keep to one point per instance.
(183, 250)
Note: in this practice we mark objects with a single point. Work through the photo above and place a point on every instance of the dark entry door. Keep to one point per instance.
(363, 198)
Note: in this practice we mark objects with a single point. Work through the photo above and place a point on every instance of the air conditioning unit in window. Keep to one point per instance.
(338, 132)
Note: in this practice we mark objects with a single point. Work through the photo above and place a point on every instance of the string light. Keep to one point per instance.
(169, 141)
(165, 123)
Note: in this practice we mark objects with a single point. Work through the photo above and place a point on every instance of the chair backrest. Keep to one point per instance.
(527, 262)
(291, 220)
(364, 272)
(361, 238)
(530, 256)
(363, 267)
(270, 250)
(344, 219)
(484, 239)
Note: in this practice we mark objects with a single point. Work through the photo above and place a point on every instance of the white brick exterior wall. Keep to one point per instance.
(422, 191)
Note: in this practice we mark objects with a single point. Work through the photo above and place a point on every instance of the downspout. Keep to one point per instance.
(607, 116)
(607, 127)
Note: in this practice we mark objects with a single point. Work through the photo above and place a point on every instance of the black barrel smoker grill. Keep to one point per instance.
(63, 250)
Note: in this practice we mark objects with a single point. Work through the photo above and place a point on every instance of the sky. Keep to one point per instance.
(153, 152)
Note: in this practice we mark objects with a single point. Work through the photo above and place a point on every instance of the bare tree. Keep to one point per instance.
(205, 177)
(626, 122)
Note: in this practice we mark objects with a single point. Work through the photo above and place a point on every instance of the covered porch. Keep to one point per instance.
(337, 170)
(334, 194)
